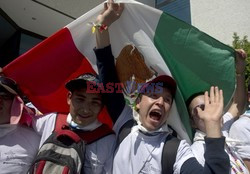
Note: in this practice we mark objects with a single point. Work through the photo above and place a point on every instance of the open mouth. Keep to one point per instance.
(155, 115)
(84, 116)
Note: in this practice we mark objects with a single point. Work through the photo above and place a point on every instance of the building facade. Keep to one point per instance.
(218, 18)
(25, 23)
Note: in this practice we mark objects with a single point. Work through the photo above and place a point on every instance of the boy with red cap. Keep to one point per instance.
(141, 142)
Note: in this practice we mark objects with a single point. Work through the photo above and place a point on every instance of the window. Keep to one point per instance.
(162, 3)
(14, 40)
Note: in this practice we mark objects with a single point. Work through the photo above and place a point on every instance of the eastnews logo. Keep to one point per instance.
(93, 87)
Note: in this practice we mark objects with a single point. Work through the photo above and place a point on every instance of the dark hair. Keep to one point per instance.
(5, 92)
(189, 100)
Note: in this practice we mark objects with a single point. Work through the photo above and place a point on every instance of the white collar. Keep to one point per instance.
(90, 127)
(199, 136)
(139, 126)
(247, 112)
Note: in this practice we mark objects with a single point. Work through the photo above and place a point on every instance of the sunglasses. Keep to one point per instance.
(201, 106)
(8, 82)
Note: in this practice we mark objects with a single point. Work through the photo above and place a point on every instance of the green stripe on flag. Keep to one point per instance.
(195, 59)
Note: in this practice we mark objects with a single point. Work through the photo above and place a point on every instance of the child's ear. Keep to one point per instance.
(192, 123)
(69, 96)
(137, 101)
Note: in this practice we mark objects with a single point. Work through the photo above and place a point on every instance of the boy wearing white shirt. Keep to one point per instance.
(197, 101)
(142, 148)
(18, 143)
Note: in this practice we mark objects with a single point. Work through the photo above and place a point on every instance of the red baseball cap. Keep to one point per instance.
(164, 81)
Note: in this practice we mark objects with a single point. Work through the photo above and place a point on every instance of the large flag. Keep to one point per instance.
(167, 45)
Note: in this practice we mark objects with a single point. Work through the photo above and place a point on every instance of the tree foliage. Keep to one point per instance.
(245, 45)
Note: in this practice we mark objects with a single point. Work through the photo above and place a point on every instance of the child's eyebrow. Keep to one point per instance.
(99, 99)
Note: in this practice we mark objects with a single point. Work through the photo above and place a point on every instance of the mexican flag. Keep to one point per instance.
(165, 44)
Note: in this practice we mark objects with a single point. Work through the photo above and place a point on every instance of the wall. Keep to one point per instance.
(220, 18)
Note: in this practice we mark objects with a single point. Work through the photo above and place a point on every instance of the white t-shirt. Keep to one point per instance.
(198, 147)
(18, 147)
(240, 130)
(140, 153)
(99, 154)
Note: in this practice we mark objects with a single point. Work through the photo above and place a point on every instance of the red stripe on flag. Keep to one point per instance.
(43, 71)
